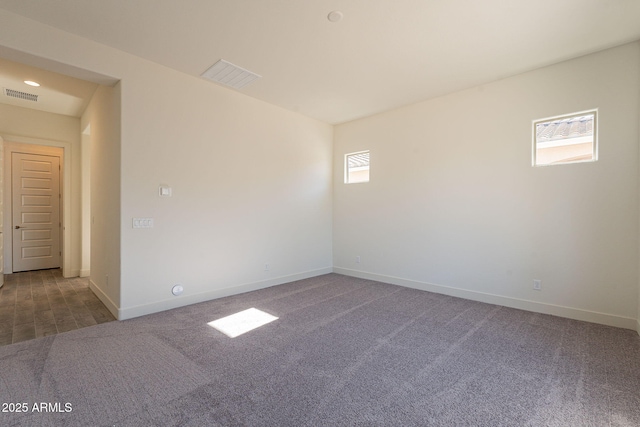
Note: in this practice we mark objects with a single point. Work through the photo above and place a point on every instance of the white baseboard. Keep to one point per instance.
(85, 273)
(538, 307)
(67, 273)
(154, 307)
(111, 306)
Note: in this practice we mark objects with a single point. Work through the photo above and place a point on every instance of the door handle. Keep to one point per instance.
(17, 227)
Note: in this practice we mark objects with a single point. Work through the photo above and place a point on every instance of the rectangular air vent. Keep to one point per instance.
(21, 95)
(231, 75)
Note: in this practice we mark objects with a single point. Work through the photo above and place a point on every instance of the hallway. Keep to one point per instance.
(35, 304)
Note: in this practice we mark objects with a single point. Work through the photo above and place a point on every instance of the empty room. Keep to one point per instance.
(320, 212)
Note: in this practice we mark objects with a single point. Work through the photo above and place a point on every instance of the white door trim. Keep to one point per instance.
(26, 144)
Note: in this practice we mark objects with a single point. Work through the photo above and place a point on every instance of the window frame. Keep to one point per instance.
(594, 148)
(346, 167)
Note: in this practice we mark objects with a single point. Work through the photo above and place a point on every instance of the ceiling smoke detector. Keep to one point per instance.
(230, 75)
(21, 95)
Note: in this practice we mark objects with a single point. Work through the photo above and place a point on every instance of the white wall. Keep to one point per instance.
(251, 182)
(103, 117)
(455, 206)
(26, 126)
(85, 191)
(251, 185)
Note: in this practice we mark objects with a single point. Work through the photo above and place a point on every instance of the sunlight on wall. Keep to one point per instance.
(241, 322)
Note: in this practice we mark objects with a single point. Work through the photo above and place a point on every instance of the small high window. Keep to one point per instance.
(565, 139)
(356, 167)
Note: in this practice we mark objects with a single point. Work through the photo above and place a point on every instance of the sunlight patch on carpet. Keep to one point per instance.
(242, 322)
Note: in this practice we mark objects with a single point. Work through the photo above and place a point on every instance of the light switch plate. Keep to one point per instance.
(165, 191)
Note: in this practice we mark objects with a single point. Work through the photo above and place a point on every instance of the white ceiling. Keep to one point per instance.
(382, 55)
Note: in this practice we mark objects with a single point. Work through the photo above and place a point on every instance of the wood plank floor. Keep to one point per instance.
(39, 303)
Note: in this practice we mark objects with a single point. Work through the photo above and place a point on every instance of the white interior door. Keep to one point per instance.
(35, 188)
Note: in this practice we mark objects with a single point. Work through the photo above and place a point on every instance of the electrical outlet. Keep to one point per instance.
(358, 260)
(537, 285)
(142, 222)
(266, 267)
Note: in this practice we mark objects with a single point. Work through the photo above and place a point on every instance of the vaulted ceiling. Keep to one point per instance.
(381, 55)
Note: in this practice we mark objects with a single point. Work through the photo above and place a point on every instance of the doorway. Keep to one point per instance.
(34, 207)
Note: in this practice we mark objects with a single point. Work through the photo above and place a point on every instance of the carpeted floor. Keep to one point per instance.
(343, 352)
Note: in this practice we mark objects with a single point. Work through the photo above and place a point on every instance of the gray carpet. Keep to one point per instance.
(344, 351)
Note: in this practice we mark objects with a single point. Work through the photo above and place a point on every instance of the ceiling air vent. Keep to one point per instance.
(231, 75)
(21, 95)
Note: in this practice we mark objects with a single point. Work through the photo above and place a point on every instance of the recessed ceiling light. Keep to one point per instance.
(335, 16)
(32, 83)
